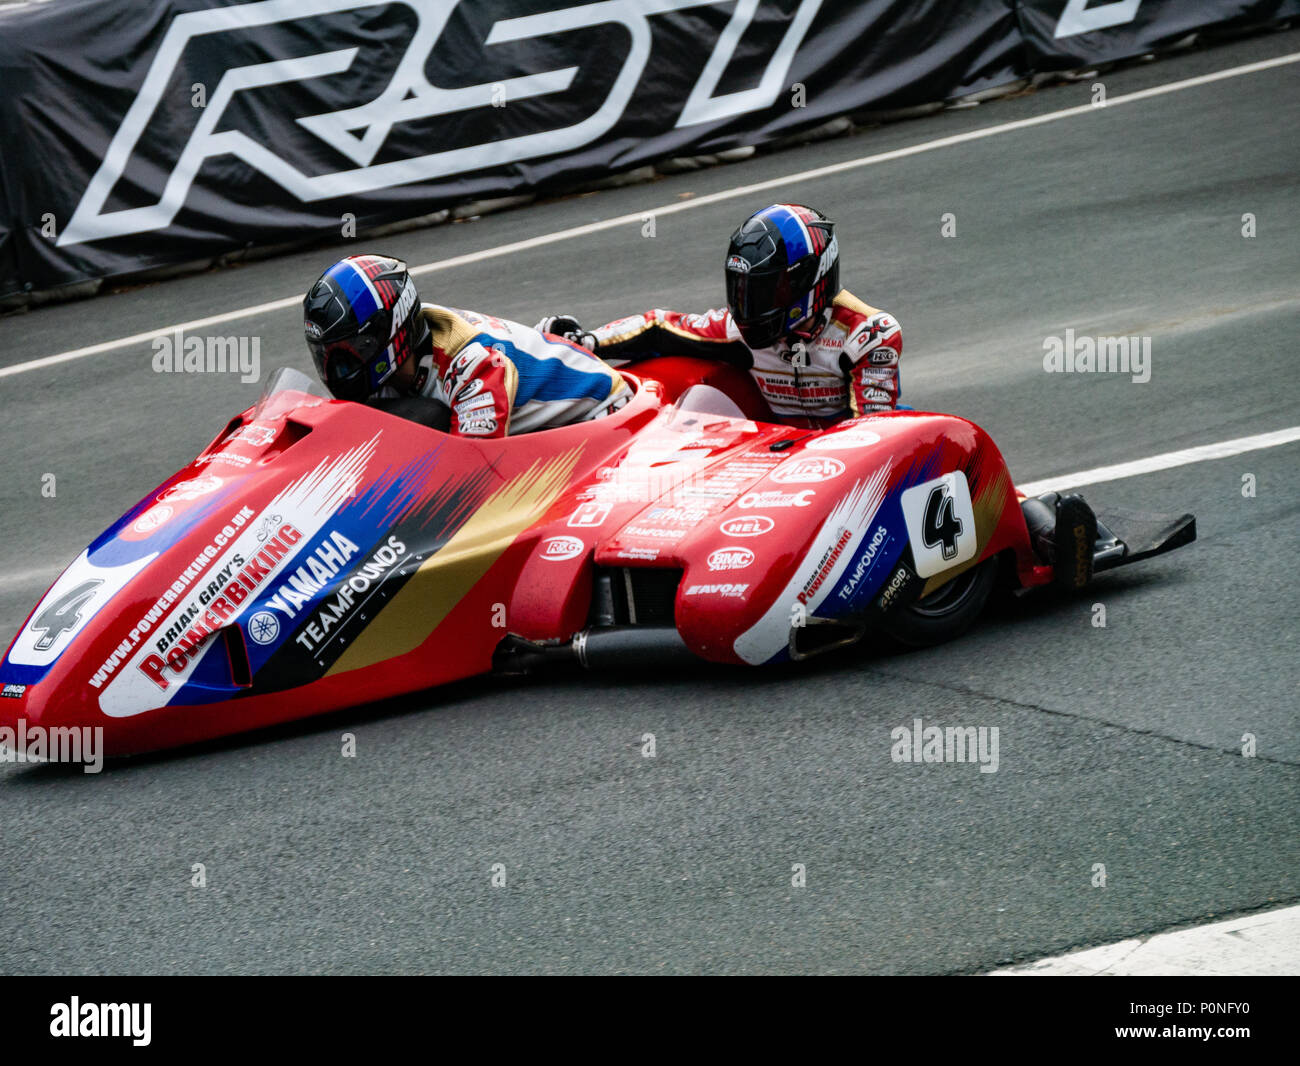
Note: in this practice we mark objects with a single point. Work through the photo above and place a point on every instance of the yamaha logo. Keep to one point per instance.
(263, 627)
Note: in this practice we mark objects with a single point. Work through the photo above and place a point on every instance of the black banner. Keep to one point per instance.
(143, 133)
(1064, 34)
(1238, 1018)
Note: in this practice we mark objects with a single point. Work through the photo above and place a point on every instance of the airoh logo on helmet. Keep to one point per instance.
(403, 307)
(738, 264)
(828, 260)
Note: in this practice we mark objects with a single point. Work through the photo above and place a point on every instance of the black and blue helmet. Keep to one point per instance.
(783, 269)
(362, 321)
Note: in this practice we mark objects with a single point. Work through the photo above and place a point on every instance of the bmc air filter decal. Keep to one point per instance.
(835, 547)
(163, 663)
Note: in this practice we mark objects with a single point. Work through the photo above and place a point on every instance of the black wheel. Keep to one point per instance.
(947, 612)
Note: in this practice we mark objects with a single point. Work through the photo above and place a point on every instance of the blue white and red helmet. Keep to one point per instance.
(783, 272)
(362, 321)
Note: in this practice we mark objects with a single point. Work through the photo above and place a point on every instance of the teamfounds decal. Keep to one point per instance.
(360, 131)
(832, 553)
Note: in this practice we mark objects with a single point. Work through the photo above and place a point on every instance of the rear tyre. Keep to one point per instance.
(947, 612)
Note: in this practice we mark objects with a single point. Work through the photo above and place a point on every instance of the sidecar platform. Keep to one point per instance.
(1125, 536)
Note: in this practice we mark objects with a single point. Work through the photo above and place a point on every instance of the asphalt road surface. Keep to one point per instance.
(1119, 745)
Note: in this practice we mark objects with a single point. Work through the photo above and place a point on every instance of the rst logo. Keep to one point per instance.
(557, 548)
(1079, 17)
(806, 469)
(749, 526)
(731, 558)
(382, 136)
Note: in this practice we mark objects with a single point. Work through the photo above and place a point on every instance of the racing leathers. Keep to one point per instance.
(500, 377)
(847, 366)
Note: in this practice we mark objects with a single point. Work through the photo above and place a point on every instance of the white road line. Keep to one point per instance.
(1200, 454)
(42, 576)
(638, 217)
(1266, 944)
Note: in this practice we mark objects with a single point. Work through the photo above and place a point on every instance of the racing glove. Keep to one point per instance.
(569, 328)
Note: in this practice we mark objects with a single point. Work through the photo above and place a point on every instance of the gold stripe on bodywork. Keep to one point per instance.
(988, 507)
(447, 576)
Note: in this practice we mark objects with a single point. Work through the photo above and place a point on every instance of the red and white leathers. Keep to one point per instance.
(501, 377)
(846, 367)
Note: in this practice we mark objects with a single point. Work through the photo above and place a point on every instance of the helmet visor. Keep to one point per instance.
(757, 301)
(342, 365)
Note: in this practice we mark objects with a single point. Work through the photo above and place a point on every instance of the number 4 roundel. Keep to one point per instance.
(940, 523)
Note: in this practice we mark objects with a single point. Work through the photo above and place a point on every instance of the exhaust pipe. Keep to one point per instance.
(614, 646)
(602, 648)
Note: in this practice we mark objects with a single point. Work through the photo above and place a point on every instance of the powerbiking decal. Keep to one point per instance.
(162, 665)
(830, 555)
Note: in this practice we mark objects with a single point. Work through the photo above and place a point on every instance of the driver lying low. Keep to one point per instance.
(372, 339)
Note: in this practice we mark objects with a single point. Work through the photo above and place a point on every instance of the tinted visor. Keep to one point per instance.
(343, 364)
(757, 302)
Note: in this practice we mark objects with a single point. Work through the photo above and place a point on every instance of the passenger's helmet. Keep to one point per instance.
(362, 321)
(783, 270)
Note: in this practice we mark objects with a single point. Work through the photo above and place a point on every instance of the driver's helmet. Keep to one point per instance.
(783, 271)
(362, 321)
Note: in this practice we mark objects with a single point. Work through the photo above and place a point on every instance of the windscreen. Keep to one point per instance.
(286, 389)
